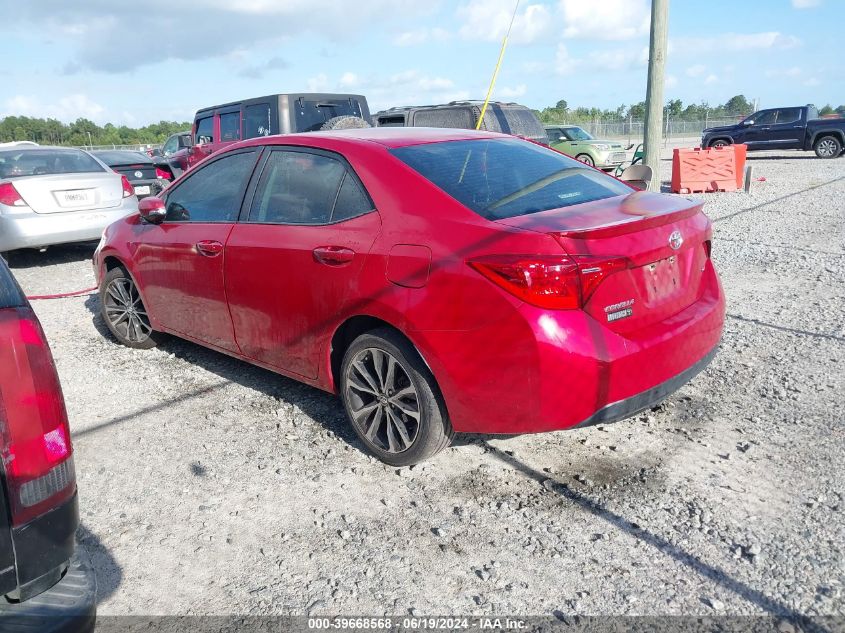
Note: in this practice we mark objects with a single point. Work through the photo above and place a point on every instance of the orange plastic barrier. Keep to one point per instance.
(714, 169)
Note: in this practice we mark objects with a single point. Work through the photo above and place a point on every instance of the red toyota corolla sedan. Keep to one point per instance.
(439, 281)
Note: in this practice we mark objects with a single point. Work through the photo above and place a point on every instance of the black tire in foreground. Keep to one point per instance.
(345, 122)
(392, 399)
(827, 147)
(124, 312)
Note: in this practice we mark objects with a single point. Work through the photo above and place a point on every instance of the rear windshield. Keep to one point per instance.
(36, 162)
(505, 178)
(312, 115)
(123, 158)
(515, 121)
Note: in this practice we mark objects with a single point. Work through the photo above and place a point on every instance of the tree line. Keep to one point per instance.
(84, 132)
(675, 109)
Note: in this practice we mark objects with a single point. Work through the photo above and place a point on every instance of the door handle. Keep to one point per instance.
(333, 255)
(209, 248)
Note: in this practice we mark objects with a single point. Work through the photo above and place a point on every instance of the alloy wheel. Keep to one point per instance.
(382, 400)
(827, 147)
(125, 310)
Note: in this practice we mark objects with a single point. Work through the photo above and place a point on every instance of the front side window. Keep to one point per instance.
(38, 162)
(577, 134)
(213, 193)
(230, 126)
(789, 115)
(258, 121)
(503, 178)
(305, 188)
(765, 118)
(170, 145)
(205, 130)
(554, 134)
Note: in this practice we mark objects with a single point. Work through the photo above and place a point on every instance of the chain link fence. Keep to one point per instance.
(633, 130)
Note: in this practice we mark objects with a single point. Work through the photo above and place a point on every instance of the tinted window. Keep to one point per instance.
(576, 134)
(258, 121)
(554, 134)
(312, 115)
(10, 293)
(789, 115)
(502, 178)
(213, 193)
(123, 158)
(230, 126)
(392, 121)
(35, 162)
(205, 130)
(518, 121)
(303, 188)
(352, 200)
(445, 117)
(765, 118)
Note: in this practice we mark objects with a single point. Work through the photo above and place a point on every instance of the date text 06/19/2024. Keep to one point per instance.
(417, 624)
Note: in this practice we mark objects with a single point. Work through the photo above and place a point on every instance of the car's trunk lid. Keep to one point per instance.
(60, 193)
(137, 171)
(664, 239)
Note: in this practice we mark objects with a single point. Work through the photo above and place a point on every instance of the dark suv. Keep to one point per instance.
(219, 126)
(44, 585)
(508, 118)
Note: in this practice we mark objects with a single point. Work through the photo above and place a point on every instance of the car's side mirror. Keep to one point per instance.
(152, 210)
(748, 122)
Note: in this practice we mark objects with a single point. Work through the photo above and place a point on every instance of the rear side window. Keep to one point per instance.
(205, 130)
(306, 188)
(36, 162)
(503, 178)
(789, 115)
(213, 193)
(230, 126)
(10, 293)
(391, 121)
(258, 121)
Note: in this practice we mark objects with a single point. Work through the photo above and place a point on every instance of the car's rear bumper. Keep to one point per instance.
(23, 228)
(69, 606)
(537, 370)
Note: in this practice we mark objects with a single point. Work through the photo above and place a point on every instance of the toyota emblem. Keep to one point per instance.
(676, 239)
(140, 174)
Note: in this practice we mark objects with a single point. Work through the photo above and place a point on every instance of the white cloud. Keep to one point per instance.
(733, 42)
(711, 79)
(421, 36)
(696, 71)
(489, 19)
(794, 71)
(318, 83)
(67, 108)
(805, 4)
(812, 82)
(106, 36)
(565, 64)
(349, 80)
(670, 81)
(512, 93)
(605, 19)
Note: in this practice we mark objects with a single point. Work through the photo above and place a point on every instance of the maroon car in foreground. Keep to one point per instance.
(440, 281)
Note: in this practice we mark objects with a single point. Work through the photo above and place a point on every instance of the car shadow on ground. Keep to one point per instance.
(108, 573)
(659, 543)
(52, 256)
(321, 406)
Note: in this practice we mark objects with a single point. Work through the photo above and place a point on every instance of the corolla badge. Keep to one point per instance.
(139, 174)
(676, 239)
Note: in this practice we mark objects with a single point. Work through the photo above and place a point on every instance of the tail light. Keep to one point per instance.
(10, 196)
(162, 173)
(127, 187)
(34, 434)
(555, 282)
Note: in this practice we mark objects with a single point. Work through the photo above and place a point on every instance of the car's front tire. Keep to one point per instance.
(392, 399)
(720, 142)
(124, 313)
(586, 159)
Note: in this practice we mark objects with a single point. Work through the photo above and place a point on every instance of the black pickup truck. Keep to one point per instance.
(782, 128)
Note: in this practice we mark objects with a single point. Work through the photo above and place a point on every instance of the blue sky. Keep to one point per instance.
(136, 63)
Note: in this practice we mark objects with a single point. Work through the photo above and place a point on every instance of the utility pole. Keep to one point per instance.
(654, 91)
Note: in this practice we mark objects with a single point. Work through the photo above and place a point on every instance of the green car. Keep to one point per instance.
(572, 140)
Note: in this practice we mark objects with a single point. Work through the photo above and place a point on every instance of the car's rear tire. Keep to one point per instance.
(392, 399)
(124, 313)
(720, 142)
(586, 159)
(345, 122)
(827, 147)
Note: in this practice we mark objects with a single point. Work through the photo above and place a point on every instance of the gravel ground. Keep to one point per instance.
(208, 486)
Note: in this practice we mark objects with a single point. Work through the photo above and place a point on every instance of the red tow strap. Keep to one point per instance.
(63, 295)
